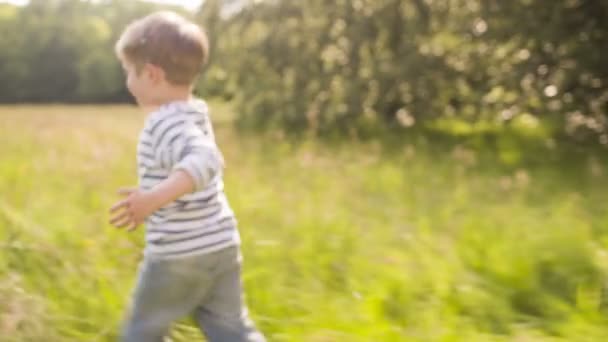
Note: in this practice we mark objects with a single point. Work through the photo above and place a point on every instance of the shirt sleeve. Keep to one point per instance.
(183, 145)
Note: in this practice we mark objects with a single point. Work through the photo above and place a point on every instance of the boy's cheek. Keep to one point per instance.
(132, 87)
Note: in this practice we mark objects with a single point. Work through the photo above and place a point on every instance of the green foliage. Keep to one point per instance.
(347, 66)
(63, 50)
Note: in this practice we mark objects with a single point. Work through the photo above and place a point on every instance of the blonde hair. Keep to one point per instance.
(169, 41)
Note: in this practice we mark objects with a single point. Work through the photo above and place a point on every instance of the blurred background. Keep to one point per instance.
(402, 170)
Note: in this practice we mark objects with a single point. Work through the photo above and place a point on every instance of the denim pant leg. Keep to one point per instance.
(166, 291)
(222, 316)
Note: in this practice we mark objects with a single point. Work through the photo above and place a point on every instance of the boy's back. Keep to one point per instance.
(200, 222)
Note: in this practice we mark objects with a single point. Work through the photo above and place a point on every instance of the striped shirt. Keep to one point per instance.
(179, 136)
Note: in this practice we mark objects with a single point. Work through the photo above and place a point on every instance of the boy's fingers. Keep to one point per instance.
(132, 226)
(119, 217)
(123, 223)
(124, 203)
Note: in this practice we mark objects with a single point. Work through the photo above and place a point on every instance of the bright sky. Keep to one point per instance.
(189, 4)
(15, 2)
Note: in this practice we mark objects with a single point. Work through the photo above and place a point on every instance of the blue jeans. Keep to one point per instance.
(206, 286)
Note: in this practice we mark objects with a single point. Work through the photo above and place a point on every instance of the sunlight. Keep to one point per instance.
(188, 4)
(15, 2)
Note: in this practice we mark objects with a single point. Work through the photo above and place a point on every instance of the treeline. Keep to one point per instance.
(363, 67)
(457, 66)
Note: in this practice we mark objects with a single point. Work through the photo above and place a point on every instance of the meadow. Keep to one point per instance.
(346, 242)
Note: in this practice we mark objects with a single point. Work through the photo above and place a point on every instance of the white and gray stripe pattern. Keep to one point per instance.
(180, 136)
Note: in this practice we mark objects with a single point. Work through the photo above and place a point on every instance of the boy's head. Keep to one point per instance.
(161, 49)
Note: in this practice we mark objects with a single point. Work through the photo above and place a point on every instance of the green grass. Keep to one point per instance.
(341, 243)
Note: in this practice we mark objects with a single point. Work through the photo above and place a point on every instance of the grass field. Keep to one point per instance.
(341, 243)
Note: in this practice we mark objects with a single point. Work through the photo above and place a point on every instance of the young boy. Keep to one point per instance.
(192, 259)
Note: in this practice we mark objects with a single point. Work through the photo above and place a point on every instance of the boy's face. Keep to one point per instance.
(141, 83)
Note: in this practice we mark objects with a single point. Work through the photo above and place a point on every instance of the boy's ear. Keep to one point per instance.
(155, 73)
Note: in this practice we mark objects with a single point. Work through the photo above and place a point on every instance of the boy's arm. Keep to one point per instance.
(196, 154)
(194, 159)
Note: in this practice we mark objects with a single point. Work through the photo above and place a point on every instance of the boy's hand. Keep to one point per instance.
(133, 210)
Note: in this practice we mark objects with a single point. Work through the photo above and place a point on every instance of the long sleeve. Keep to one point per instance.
(180, 144)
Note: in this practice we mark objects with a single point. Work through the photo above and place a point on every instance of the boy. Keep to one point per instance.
(192, 258)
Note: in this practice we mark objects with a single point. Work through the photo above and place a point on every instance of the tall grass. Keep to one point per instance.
(341, 243)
